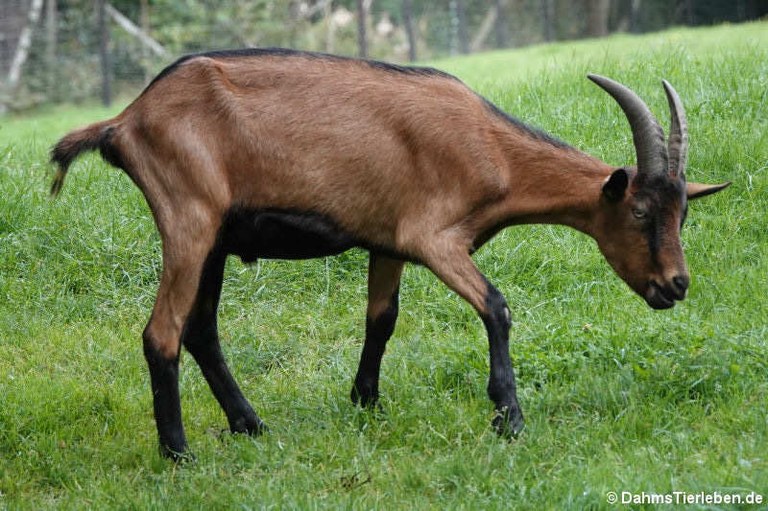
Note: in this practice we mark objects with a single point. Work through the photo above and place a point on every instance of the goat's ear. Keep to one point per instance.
(696, 190)
(615, 186)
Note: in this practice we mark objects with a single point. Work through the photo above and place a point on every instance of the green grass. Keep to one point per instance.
(617, 397)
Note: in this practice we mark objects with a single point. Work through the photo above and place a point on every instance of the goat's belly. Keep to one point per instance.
(276, 234)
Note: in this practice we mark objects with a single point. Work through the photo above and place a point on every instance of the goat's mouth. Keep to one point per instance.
(659, 297)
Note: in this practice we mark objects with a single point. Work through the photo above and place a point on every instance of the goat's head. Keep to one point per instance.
(642, 208)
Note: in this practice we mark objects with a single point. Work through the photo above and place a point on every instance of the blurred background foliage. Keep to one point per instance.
(72, 50)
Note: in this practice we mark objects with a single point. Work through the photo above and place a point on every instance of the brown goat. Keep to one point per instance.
(281, 154)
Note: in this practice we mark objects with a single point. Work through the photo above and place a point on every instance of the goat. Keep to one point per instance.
(271, 153)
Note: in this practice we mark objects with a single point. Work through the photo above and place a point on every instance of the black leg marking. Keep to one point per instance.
(455, 268)
(164, 374)
(383, 291)
(200, 337)
(377, 332)
(501, 384)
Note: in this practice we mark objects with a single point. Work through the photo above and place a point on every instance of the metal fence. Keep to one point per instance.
(75, 50)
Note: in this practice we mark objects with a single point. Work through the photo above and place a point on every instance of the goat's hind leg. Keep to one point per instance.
(185, 312)
(162, 339)
(201, 339)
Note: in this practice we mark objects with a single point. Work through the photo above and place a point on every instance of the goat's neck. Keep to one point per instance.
(548, 184)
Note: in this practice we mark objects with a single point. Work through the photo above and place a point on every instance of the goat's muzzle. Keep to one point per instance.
(663, 295)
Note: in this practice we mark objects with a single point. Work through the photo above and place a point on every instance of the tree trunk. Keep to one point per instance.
(144, 15)
(548, 17)
(51, 37)
(461, 32)
(597, 17)
(104, 56)
(485, 28)
(293, 23)
(690, 13)
(362, 36)
(501, 28)
(22, 48)
(409, 33)
(330, 27)
(634, 17)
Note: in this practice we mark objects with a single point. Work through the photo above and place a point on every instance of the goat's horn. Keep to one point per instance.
(646, 132)
(677, 146)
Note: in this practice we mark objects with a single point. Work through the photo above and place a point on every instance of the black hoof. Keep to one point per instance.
(248, 426)
(179, 457)
(366, 399)
(508, 423)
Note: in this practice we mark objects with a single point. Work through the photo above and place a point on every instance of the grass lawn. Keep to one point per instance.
(618, 398)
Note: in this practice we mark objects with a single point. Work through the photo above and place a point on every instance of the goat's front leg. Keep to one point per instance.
(383, 284)
(456, 269)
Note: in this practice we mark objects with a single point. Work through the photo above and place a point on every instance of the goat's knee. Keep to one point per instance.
(501, 383)
(497, 318)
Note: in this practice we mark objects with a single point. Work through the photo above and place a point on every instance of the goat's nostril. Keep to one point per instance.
(680, 283)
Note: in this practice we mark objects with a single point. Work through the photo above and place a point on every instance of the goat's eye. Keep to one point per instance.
(639, 213)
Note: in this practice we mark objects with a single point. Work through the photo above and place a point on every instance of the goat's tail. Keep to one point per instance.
(89, 138)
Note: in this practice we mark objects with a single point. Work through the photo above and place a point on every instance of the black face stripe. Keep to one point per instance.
(653, 233)
(664, 198)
